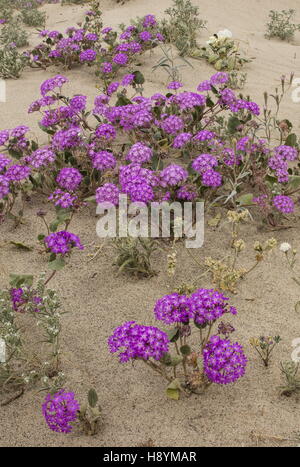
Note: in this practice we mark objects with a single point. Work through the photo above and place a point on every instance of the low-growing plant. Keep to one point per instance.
(26, 302)
(280, 25)
(12, 62)
(290, 370)
(182, 26)
(13, 34)
(134, 256)
(264, 346)
(214, 359)
(33, 17)
(223, 52)
(62, 412)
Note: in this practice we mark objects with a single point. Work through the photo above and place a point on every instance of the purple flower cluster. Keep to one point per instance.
(204, 306)
(173, 175)
(187, 193)
(173, 309)
(223, 361)
(69, 178)
(16, 173)
(216, 80)
(105, 131)
(108, 193)
(172, 125)
(103, 160)
(181, 140)
(279, 161)
(60, 410)
(4, 162)
(284, 204)
(62, 242)
(139, 153)
(208, 305)
(41, 157)
(63, 199)
(50, 84)
(88, 55)
(138, 341)
(4, 186)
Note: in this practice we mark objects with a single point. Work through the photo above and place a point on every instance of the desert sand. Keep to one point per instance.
(135, 408)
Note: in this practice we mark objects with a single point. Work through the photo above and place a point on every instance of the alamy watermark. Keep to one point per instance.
(296, 352)
(180, 220)
(2, 351)
(296, 91)
(2, 90)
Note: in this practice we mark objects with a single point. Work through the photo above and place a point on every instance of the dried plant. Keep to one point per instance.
(264, 346)
(290, 371)
(280, 25)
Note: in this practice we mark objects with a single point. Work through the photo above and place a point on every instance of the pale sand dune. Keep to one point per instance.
(134, 404)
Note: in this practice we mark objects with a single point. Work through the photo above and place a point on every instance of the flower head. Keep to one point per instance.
(60, 410)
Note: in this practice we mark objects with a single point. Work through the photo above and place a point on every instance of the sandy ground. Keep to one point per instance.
(135, 408)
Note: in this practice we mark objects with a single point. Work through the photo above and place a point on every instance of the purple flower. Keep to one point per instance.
(140, 191)
(120, 59)
(286, 152)
(187, 193)
(145, 36)
(69, 178)
(173, 175)
(91, 37)
(204, 135)
(181, 140)
(188, 100)
(78, 103)
(60, 410)
(127, 79)
(41, 157)
(204, 162)
(139, 153)
(149, 21)
(223, 361)
(284, 204)
(62, 242)
(4, 186)
(106, 67)
(219, 78)
(175, 85)
(208, 305)
(113, 87)
(64, 139)
(172, 309)
(103, 160)
(108, 193)
(172, 125)
(138, 341)
(52, 83)
(106, 131)
(19, 131)
(88, 55)
(212, 178)
(16, 173)
(4, 137)
(4, 162)
(63, 199)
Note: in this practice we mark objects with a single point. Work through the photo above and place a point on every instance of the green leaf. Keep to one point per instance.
(166, 359)
(54, 225)
(21, 246)
(297, 307)
(138, 77)
(176, 360)
(294, 182)
(233, 123)
(173, 334)
(57, 264)
(185, 350)
(16, 280)
(245, 199)
(41, 237)
(92, 397)
(291, 140)
(173, 390)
